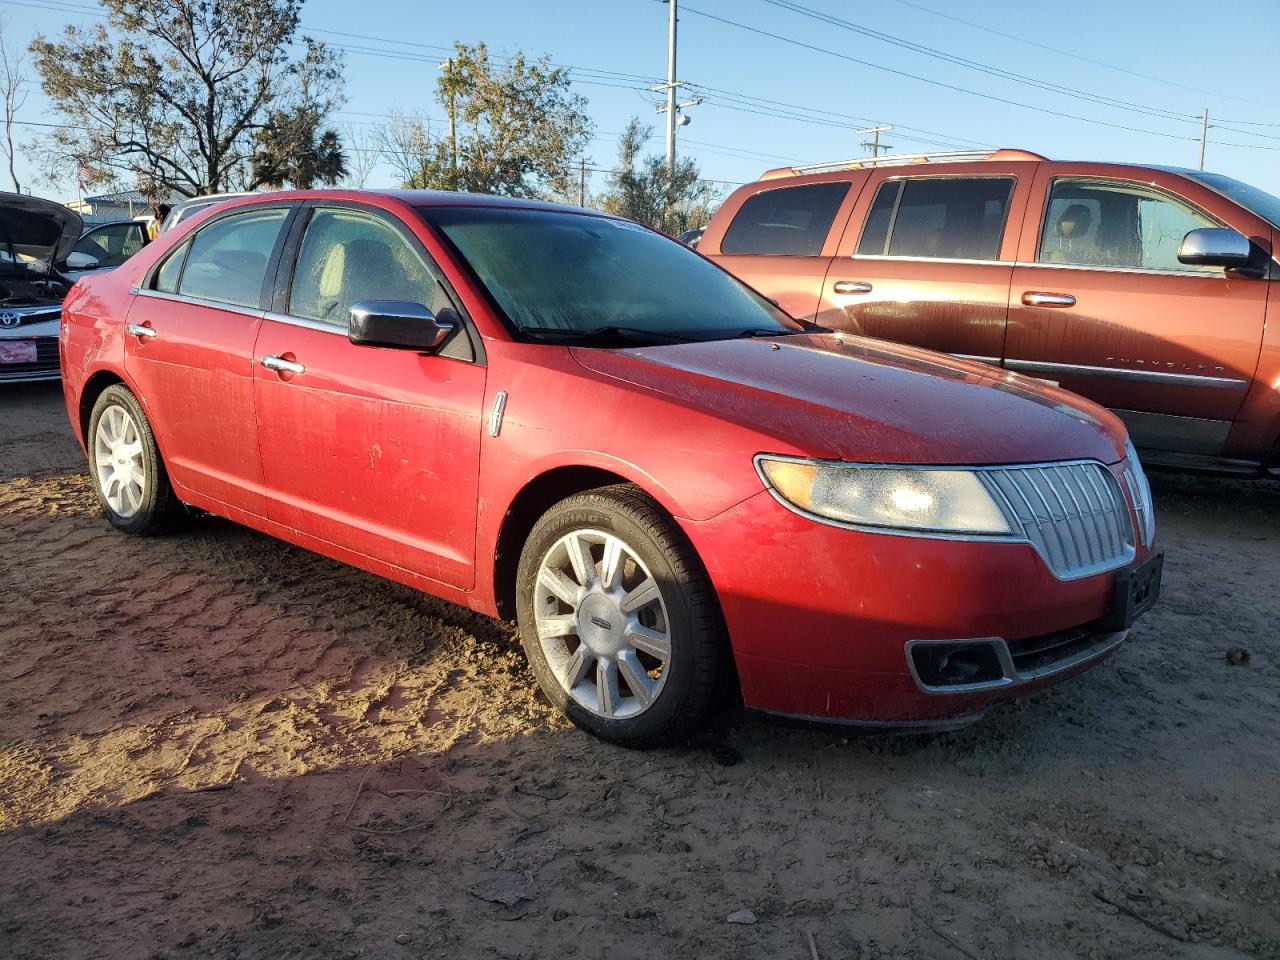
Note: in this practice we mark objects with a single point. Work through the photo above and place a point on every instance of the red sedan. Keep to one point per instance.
(560, 417)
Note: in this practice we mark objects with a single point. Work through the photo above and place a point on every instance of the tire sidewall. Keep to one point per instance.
(119, 396)
(661, 715)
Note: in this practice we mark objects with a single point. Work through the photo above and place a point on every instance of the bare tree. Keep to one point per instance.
(406, 143)
(364, 150)
(13, 94)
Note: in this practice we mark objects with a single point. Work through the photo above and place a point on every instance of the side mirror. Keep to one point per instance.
(82, 261)
(398, 324)
(1215, 247)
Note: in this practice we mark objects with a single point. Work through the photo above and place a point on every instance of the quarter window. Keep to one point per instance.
(228, 261)
(348, 256)
(166, 280)
(1111, 224)
(790, 222)
(954, 218)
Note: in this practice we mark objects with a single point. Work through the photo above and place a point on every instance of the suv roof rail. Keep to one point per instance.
(903, 159)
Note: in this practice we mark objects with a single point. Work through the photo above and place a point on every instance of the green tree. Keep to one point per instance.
(641, 188)
(294, 147)
(179, 95)
(518, 127)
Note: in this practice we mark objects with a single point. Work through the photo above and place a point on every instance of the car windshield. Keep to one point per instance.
(1256, 201)
(558, 275)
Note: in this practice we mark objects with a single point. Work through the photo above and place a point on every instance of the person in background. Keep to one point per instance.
(159, 212)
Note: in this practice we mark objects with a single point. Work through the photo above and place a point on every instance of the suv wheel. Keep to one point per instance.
(124, 462)
(619, 620)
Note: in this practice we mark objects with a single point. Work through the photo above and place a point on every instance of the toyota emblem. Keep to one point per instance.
(10, 319)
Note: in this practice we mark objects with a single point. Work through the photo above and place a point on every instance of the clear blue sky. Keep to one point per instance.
(1157, 64)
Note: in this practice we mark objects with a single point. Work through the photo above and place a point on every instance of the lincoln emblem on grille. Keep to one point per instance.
(10, 319)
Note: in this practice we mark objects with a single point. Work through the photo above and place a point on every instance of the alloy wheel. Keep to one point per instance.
(602, 624)
(118, 461)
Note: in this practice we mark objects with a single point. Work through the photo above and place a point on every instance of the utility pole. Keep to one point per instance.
(874, 143)
(447, 66)
(582, 182)
(1204, 136)
(671, 87)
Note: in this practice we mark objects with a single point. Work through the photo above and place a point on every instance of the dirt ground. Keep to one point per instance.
(217, 745)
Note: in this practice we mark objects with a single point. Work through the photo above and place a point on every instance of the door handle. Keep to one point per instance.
(140, 330)
(1033, 299)
(281, 365)
(851, 286)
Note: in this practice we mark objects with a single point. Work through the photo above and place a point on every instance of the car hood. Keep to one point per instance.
(856, 399)
(38, 228)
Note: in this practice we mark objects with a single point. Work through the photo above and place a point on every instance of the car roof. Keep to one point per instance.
(417, 198)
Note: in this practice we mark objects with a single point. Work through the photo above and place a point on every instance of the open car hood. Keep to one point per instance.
(38, 228)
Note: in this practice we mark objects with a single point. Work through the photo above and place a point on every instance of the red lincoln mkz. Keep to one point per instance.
(560, 417)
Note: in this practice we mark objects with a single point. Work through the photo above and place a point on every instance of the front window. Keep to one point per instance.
(113, 244)
(1100, 223)
(556, 274)
(348, 256)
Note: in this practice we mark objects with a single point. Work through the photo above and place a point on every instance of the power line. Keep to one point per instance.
(1075, 56)
(937, 83)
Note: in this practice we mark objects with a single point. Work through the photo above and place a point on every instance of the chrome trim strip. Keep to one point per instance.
(1219, 274)
(305, 323)
(881, 256)
(496, 412)
(200, 302)
(1121, 373)
(992, 361)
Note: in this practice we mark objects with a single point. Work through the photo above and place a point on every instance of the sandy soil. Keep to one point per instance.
(216, 745)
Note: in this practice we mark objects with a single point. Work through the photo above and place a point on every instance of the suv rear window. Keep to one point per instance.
(789, 222)
(953, 218)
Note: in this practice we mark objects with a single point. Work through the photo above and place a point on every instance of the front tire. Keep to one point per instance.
(128, 475)
(619, 620)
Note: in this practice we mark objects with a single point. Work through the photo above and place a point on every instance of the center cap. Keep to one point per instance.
(600, 624)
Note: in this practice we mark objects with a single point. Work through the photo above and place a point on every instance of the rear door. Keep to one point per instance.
(780, 239)
(371, 449)
(1101, 304)
(927, 260)
(189, 352)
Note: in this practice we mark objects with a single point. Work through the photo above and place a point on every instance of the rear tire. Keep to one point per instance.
(128, 475)
(619, 620)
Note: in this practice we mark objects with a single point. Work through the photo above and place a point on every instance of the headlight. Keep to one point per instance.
(901, 498)
(1140, 490)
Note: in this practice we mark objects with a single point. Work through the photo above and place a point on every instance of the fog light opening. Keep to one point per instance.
(959, 664)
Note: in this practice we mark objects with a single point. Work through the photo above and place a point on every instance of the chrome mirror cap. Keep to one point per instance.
(397, 324)
(1215, 247)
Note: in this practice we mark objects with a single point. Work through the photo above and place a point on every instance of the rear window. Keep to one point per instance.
(228, 259)
(953, 218)
(789, 222)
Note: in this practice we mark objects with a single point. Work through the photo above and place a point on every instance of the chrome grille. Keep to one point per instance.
(1074, 514)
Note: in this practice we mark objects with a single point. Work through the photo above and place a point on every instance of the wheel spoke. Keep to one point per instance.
(611, 564)
(551, 627)
(555, 582)
(644, 593)
(607, 695)
(136, 474)
(580, 557)
(649, 641)
(133, 495)
(576, 667)
(637, 680)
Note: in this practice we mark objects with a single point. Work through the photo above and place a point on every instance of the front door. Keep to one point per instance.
(927, 261)
(372, 449)
(189, 353)
(1101, 304)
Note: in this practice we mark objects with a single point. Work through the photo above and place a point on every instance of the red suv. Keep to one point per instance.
(564, 418)
(1142, 288)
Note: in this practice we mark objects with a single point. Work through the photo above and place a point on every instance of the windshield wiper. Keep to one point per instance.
(608, 332)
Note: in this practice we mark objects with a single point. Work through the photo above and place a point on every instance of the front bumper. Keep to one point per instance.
(823, 620)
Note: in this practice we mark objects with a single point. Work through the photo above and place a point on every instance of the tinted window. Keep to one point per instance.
(166, 279)
(348, 256)
(112, 244)
(954, 218)
(567, 273)
(1108, 224)
(228, 261)
(791, 222)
